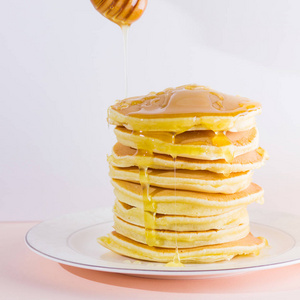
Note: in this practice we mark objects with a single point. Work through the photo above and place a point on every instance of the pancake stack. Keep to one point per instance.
(181, 172)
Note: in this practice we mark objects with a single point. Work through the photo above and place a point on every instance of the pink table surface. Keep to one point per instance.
(25, 275)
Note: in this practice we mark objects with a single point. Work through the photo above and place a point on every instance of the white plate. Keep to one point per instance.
(71, 240)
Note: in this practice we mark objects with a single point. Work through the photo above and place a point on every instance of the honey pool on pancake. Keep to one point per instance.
(188, 100)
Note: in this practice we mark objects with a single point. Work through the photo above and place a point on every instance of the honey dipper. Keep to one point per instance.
(121, 12)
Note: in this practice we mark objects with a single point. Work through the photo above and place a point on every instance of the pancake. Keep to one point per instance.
(204, 254)
(135, 215)
(191, 144)
(189, 107)
(181, 172)
(124, 156)
(183, 239)
(192, 180)
(187, 203)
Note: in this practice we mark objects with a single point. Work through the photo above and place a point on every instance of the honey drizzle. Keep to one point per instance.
(176, 259)
(125, 30)
(149, 204)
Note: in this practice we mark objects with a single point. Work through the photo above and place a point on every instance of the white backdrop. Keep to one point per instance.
(61, 66)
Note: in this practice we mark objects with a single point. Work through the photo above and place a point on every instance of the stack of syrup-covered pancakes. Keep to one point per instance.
(181, 172)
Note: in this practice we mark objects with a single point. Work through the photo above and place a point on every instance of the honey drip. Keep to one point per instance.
(261, 151)
(221, 140)
(176, 259)
(175, 263)
(125, 29)
(149, 204)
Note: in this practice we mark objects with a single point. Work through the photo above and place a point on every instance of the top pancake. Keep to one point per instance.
(189, 107)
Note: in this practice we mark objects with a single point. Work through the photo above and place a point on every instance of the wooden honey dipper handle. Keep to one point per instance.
(121, 12)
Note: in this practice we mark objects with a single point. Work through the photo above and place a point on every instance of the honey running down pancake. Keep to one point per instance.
(188, 203)
(124, 156)
(192, 144)
(204, 254)
(189, 107)
(183, 239)
(193, 180)
(135, 215)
